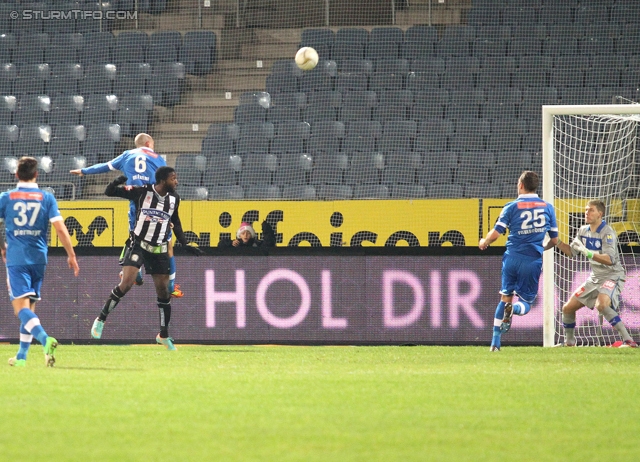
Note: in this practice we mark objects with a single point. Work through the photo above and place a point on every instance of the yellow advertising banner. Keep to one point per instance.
(444, 222)
(346, 223)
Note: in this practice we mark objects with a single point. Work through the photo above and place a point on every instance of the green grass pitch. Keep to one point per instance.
(258, 403)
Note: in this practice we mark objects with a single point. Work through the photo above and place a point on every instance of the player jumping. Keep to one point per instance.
(529, 219)
(139, 166)
(156, 208)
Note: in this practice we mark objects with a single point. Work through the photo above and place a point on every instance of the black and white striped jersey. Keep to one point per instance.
(154, 212)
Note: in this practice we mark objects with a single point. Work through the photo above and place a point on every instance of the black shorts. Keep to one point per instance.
(154, 263)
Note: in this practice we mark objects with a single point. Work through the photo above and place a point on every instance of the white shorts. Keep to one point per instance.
(588, 292)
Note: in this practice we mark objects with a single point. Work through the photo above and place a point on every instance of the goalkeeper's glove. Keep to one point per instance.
(579, 247)
(120, 180)
(193, 250)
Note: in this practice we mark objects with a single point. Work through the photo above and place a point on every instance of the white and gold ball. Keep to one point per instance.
(307, 58)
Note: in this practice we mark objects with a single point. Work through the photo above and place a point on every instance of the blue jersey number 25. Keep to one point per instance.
(533, 219)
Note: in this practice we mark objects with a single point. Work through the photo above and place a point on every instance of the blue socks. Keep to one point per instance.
(497, 321)
(25, 343)
(172, 276)
(32, 326)
(521, 308)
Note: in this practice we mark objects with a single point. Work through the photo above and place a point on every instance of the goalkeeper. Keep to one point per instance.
(598, 242)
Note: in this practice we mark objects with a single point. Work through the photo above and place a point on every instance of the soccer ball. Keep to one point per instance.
(307, 58)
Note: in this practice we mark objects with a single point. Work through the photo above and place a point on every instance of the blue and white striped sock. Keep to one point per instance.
(497, 322)
(521, 308)
(172, 275)
(32, 325)
(25, 343)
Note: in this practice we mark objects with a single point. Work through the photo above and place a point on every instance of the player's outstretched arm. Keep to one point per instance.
(65, 239)
(489, 239)
(564, 248)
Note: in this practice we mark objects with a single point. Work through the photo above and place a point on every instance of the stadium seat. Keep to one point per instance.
(164, 47)
(470, 134)
(419, 42)
(65, 24)
(299, 192)
(445, 191)
(364, 128)
(165, 84)
(32, 109)
(190, 168)
(329, 168)
(502, 104)
(134, 114)
(329, 192)
(387, 112)
(621, 14)
(64, 79)
(258, 167)
(423, 81)
(320, 40)
(407, 191)
(294, 168)
(66, 109)
(358, 143)
(198, 53)
(460, 73)
(346, 81)
(482, 190)
(516, 16)
(556, 14)
(8, 107)
(33, 140)
(231, 192)
(66, 141)
(387, 81)
(298, 131)
(60, 54)
(130, 47)
(97, 48)
(64, 185)
(100, 143)
(384, 43)
(132, 78)
(433, 135)
(484, 16)
(429, 104)
(262, 192)
(530, 46)
(592, 14)
(98, 79)
(99, 109)
(350, 43)
(320, 78)
(222, 170)
(249, 114)
(31, 79)
(193, 193)
(281, 82)
(493, 32)
(366, 168)
(371, 191)
(27, 23)
(356, 66)
(312, 114)
(567, 78)
(489, 47)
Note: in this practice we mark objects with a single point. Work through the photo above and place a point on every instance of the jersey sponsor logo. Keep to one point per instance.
(155, 215)
(25, 196)
(531, 205)
(149, 152)
(609, 238)
(609, 285)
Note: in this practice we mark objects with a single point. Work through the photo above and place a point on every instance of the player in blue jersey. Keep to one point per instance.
(26, 213)
(139, 165)
(529, 219)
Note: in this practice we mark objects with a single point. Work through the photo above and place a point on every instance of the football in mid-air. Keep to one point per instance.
(307, 58)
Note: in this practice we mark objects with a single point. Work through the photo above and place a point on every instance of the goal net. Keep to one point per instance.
(591, 152)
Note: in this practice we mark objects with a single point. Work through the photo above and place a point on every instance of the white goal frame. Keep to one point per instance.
(548, 193)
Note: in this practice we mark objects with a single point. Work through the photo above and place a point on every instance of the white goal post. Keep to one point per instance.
(572, 136)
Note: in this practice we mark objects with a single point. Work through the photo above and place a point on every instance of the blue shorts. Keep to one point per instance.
(25, 281)
(520, 276)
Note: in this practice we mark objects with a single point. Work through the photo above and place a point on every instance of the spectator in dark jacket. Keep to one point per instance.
(246, 237)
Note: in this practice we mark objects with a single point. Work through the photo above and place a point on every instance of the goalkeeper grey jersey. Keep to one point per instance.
(603, 240)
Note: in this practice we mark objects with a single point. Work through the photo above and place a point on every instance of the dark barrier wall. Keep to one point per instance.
(289, 299)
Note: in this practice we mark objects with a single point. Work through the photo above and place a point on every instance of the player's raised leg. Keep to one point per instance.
(129, 274)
